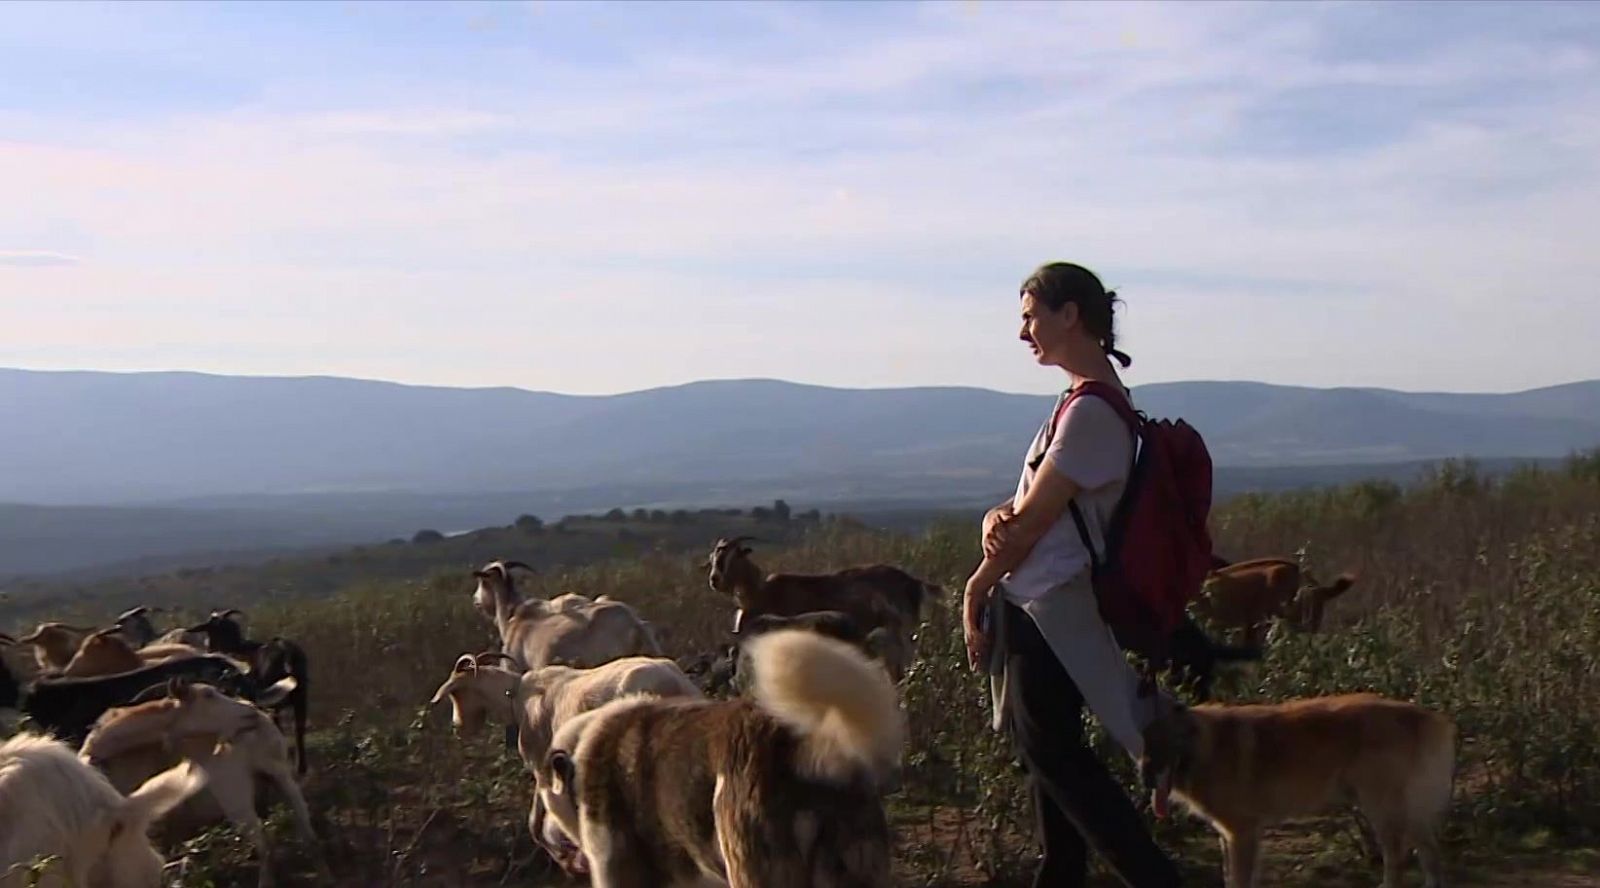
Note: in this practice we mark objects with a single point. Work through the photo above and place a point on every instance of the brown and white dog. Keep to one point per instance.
(1243, 768)
(780, 791)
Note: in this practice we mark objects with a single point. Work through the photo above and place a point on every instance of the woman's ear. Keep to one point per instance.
(1069, 314)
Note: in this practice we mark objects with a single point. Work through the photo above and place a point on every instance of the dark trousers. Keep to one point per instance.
(1076, 802)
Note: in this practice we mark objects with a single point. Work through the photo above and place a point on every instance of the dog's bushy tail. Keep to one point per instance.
(841, 704)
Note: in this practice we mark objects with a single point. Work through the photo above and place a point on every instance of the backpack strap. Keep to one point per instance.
(1148, 684)
(1108, 393)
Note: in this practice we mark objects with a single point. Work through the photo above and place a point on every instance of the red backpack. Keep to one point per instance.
(1158, 548)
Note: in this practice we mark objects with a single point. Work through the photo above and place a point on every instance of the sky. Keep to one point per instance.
(596, 198)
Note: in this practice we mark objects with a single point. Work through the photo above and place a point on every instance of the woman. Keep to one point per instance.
(1048, 651)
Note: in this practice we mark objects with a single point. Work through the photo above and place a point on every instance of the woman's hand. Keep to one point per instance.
(995, 533)
(994, 527)
(972, 606)
(996, 515)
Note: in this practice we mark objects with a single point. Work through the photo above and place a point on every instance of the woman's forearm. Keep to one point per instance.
(994, 567)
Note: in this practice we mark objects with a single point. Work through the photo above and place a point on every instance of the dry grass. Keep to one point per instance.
(1480, 599)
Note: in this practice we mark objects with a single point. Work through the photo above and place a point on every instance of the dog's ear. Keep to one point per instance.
(563, 773)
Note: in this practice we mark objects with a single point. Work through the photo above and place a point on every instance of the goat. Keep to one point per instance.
(136, 627)
(270, 661)
(713, 672)
(1247, 595)
(1193, 657)
(537, 703)
(53, 805)
(55, 643)
(106, 653)
(882, 644)
(875, 596)
(234, 742)
(10, 690)
(140, 633)
(570, 629)
(68, 707)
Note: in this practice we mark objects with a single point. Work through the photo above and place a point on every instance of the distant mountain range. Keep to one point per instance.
(374, 453)
(98, 438)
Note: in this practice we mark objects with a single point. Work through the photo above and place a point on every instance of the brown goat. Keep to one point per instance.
(106, 653)
(874, 596)
(103, 653)
(54, 644)
(1247, 595)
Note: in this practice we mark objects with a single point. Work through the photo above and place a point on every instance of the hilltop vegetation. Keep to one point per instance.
(572, 540)
(1477, 596)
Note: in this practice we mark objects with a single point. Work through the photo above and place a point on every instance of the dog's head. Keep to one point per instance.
(1169, 744)
(557, 802)
(548, 833)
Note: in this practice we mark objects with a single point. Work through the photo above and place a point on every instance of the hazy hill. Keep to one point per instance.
(97, 438)
(110, 467)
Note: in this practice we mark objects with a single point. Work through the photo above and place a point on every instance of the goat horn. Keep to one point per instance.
(510, 564)
(146, 695)
(464, 662)
(743, 539)
(6, 639)
(491, 656)
(132, 612)
(228, 613)
(101, 633)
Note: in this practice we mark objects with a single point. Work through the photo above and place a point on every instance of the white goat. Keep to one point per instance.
(53, 805)
(569, 629)
(234, 743)
(539, 702)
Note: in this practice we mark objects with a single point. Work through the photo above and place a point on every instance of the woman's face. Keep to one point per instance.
(1045, 331)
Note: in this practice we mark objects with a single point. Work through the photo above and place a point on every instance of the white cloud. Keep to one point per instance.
(34, 258)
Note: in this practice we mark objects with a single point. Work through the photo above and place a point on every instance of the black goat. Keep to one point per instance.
(1193, 657)
(67, 707)
(10, 691)
(270, 661)
(136, 627)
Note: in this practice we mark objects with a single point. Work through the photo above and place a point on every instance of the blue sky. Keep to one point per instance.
(606, 197)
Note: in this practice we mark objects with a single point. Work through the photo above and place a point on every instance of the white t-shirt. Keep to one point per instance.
(1093, 447)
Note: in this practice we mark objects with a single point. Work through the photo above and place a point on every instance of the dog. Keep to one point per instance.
(1243, 768)
(783, 789)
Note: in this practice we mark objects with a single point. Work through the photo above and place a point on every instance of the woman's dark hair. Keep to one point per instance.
(1058, 283)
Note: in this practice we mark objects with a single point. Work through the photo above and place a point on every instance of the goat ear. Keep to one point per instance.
(481, 574)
